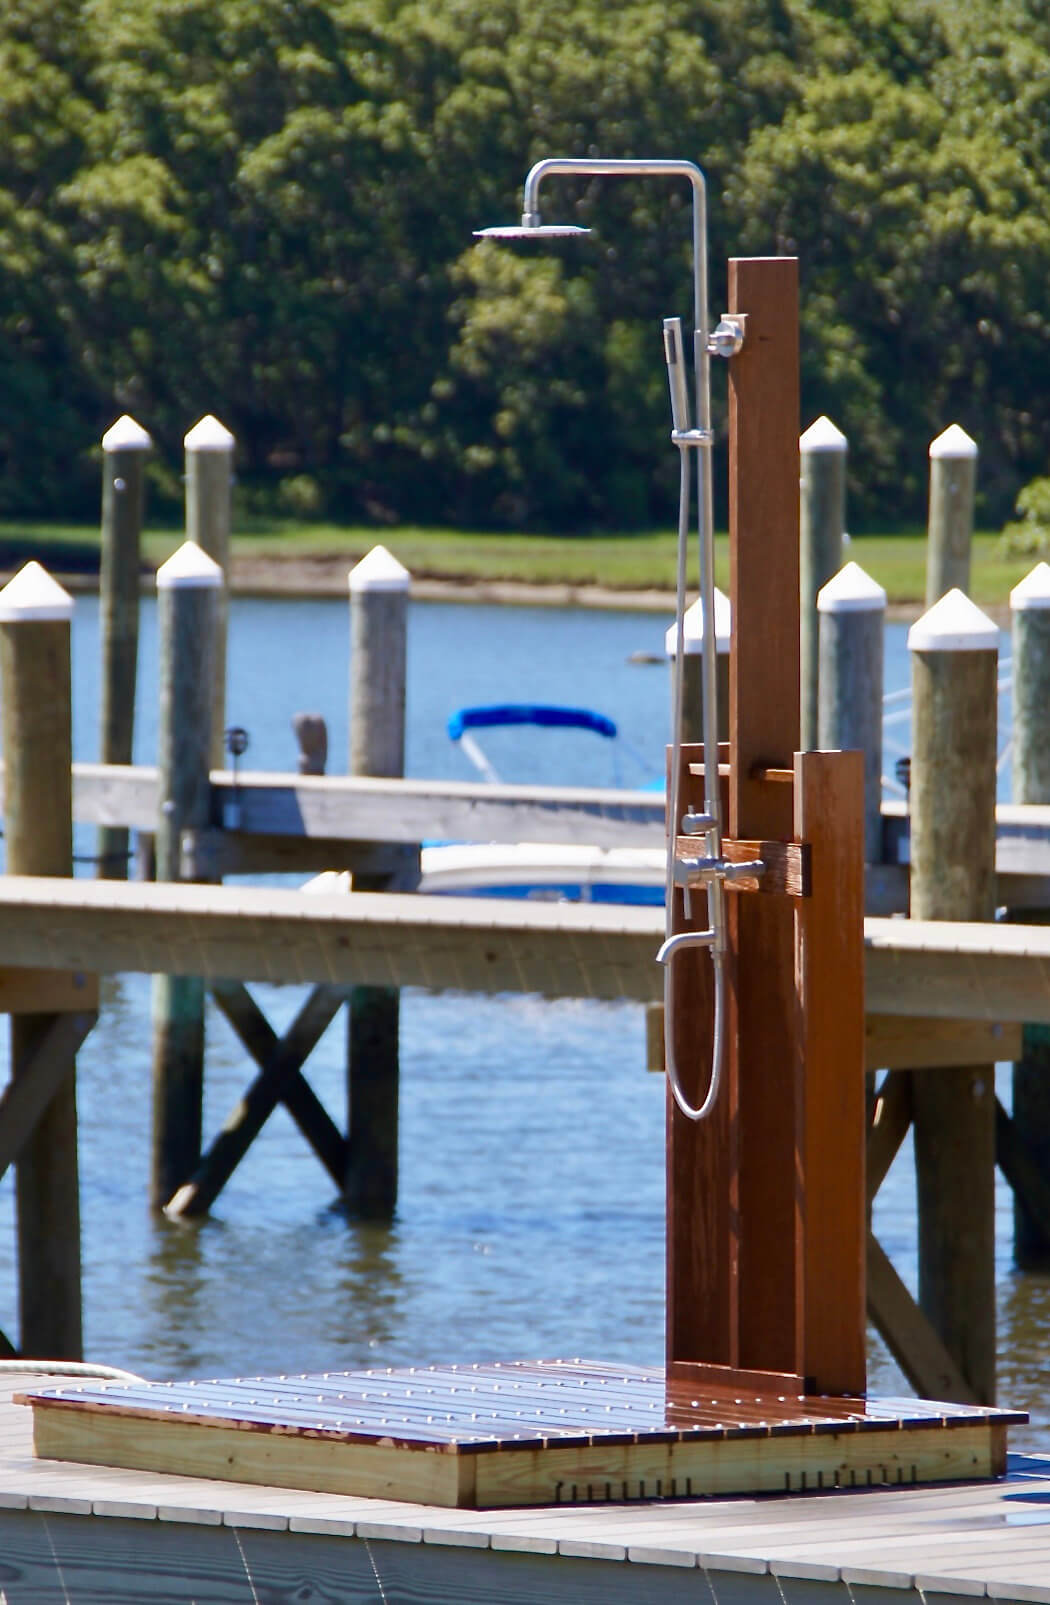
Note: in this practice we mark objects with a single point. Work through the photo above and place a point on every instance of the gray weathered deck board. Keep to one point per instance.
(954, 1541)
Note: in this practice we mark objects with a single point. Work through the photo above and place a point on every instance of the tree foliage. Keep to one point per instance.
(263, 208)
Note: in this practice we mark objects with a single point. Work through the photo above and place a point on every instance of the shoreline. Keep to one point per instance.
(320, 576)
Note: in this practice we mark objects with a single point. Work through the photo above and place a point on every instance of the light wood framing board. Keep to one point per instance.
(514, 1435)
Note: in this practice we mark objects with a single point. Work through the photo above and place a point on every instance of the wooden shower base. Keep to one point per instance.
(539, 1433)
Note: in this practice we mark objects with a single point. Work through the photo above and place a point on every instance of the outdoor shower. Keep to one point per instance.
(690, 439)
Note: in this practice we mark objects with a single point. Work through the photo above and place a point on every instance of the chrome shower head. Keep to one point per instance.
(530, 228)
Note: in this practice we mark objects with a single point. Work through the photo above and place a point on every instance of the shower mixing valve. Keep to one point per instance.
(728, 335)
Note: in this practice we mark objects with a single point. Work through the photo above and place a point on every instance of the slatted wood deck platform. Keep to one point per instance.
(548, 1432)
(90, 1534)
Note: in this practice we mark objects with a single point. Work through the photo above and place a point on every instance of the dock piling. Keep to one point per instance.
(954, 655)
(692, 715)
(125, 446)
(209, 493)
(822, 524)
(1030, 631)
(953, 484)
(379, 588)
(35, 627)
(851, 609)
(188, 589)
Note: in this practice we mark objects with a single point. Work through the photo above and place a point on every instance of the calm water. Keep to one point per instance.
(531, 1207)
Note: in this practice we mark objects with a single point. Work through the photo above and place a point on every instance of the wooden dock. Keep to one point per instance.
(921, 968)
(86, 1534)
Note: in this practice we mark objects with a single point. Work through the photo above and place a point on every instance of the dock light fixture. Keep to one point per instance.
(725, 341)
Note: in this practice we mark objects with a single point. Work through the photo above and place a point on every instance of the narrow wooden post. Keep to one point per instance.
(692, 715)
(1030, 609)
(822, 524)
(311, 733)
(953, 484)
(124, 446)
(35, 615)
(954, 658)
(379, 588)
(188, 589)
(852, 612)
(209, 487)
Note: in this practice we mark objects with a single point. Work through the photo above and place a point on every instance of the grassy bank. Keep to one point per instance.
(622, 562)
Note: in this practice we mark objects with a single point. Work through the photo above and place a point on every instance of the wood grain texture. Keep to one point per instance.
(904, 1042)
(702, 1243)
(785, 872)
(764, 732)
(829, 927)
(37, 738)
(269, 933)
(953, 878)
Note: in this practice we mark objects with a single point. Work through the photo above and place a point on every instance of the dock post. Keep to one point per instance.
(953, 484)
(851, 609)
(692, 716)
(954, 656)
(209, 489)
(188, 589)
(822, 524)
(1030, 612)
(35, 627)
(379, 588)
(124, 447)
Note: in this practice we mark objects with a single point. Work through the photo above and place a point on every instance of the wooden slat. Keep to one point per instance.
(763, 734)
(829, 813)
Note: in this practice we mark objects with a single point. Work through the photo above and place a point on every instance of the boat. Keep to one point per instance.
(569, 873)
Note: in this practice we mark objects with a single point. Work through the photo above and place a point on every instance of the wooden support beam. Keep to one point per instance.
(890, 1120)
(908, 1334)
(40, 991)
(1022, 1170)
(45, 1067)
(764, 1084)
(904, 1042)
(262, 1042)
(261, 1099)
(829, 960)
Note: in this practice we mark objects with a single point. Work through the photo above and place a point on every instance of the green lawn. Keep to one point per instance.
(640, 561)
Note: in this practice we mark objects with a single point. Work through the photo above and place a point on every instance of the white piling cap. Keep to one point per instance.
(126, 435)
(379, 570)
(851, 590)
(823, 436)
(34, 595)
(694, 627)
(189, 567)
(954, 442)
(954, 624)
(209, 435)
(1033, 591)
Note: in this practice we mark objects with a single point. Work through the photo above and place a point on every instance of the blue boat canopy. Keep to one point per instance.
(506, 713)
